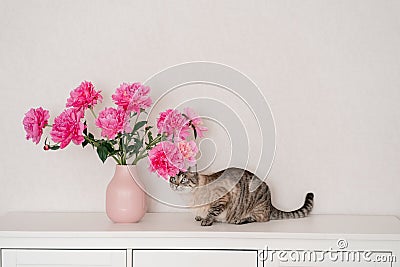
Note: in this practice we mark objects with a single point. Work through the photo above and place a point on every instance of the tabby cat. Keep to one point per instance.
(234, 196)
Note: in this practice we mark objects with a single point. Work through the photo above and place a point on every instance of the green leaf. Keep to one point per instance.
(150, 136)
(91, 136)
(115, 152)
(194, 132)
(102, 151)
(139, 125)
(130, 148)
(137, 145)
(138, 140)
(85, 130)
(55, 147)
(109, 147)
(85, 143)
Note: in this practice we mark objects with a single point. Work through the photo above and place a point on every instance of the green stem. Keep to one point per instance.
(116, 160)
(137, 118)
(140, 156)
(123, 153)
(92, 111)
(154, 142)
(91, 141)
(96, 144)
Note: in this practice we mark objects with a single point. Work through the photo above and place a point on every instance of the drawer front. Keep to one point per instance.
(58, 258)
(194, 258)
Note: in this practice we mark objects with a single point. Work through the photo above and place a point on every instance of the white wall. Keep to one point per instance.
(330, 70)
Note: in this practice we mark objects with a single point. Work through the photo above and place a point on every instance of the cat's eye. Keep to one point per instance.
(172, 179)
(184, 180)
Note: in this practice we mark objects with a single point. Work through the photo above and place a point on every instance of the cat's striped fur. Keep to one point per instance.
(234, 196)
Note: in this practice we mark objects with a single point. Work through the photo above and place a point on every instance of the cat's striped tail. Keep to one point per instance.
(299, 213)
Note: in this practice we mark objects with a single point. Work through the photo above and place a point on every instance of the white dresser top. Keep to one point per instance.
(51, 224)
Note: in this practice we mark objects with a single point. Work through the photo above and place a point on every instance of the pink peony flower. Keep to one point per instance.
(166, 159)
(173, 124)
(132, 97)
(195, 121)
(84, 96)
(189, 151)
(68, 127)
(111, 121)
(34, 122)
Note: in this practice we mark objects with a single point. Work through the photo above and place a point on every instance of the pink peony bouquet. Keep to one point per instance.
(177, 151)
(123, 135)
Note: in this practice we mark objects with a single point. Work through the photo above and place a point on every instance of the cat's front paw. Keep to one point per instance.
(244, 221)
(198, 218)
(238, 221)
(206, 222)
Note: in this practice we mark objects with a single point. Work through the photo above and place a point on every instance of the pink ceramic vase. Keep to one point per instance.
(125, 199)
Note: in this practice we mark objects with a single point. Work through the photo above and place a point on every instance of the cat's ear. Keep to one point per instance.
(189, 169)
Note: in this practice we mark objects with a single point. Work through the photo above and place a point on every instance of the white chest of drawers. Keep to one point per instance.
(175, 239)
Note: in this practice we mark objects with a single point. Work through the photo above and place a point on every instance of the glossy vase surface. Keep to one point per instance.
(125, 198)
